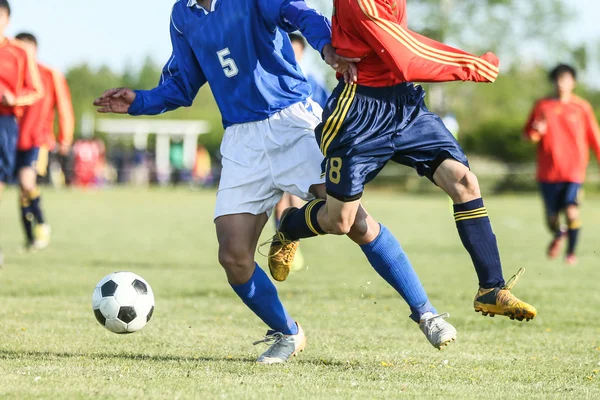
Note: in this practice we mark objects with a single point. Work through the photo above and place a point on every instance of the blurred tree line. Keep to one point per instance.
(529, 36)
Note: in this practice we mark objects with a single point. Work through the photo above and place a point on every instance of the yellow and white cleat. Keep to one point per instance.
(41, 234)
(500, 301)
(282, 346)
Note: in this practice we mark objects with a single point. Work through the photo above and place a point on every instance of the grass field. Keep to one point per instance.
(361, 343)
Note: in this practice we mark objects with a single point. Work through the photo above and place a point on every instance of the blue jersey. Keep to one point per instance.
(241, 48)
(320, 93)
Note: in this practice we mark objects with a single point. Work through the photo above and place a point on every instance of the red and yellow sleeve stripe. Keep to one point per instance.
(427, 52)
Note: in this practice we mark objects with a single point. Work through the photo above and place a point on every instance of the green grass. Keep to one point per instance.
(360, 342)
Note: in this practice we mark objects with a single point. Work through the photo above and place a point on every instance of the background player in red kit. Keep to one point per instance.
(19, 86)
(565, 128)
(383, 117)
(36, 132)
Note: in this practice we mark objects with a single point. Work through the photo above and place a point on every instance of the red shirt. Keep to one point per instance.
(37, 123)
(19, 76)
(376, 31)
(563, 152)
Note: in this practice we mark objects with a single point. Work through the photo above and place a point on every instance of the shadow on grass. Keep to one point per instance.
(49, 355)
(44, 355)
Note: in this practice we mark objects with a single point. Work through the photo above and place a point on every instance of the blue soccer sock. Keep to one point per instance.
(391, 262)
(35, 197)
(302, 223)
(476, 234)
(574, 228)
(27, 219)
(260, 295)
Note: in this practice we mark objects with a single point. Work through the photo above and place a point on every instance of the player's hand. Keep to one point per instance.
(116, 101)
(344, 65)
(7, 99)
(540, 125)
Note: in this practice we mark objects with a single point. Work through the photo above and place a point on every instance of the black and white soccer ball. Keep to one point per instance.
(123, 302)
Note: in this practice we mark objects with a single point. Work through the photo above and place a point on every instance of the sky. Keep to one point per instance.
(121, 33)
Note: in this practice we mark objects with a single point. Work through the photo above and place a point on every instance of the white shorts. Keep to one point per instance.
(264, 159)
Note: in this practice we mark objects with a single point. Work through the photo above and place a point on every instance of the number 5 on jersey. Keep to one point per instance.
(229, 67)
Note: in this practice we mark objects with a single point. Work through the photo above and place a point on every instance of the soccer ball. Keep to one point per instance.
(123, 302)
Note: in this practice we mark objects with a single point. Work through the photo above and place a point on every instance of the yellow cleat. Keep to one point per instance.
(282, 253)
(42, 236)
(500, 301)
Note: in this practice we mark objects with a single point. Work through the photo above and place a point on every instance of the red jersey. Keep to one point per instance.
(376, 31)
(564, 150)
(19, 77)
(37, 123)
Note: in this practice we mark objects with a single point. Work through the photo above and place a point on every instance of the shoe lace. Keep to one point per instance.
(513, 281)
(431, 324)
(280, 237)
(271, 339)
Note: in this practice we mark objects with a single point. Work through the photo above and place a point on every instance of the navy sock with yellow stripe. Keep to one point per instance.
(574, 228)
(35, 197)
(302, 223)
(476, 234)
(27, 219)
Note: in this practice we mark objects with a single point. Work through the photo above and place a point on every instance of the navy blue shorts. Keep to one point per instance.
(27, 158)
(363, 128)
(9, 134)
(557, 196)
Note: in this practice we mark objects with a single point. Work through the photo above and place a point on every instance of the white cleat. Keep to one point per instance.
(437, 330)
(282, 346)
(42, 236)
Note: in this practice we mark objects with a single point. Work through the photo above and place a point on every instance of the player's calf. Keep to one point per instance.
(457, 181)
(27, 219)
(574, 227)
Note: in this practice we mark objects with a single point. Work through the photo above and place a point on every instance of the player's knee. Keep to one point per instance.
(27, 191)
(341, 226)
(466, 188)
(235, 260)
(572, 213)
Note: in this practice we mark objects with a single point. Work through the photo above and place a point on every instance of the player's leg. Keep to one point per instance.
(573, 220)
(246, 194)
(475, 231)
(9, 133)
(31, 209)
(26, 178)
(553, 197)
(426, 145)
(1, 192)
(238, 235)
(289, 200)
(342, 214)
